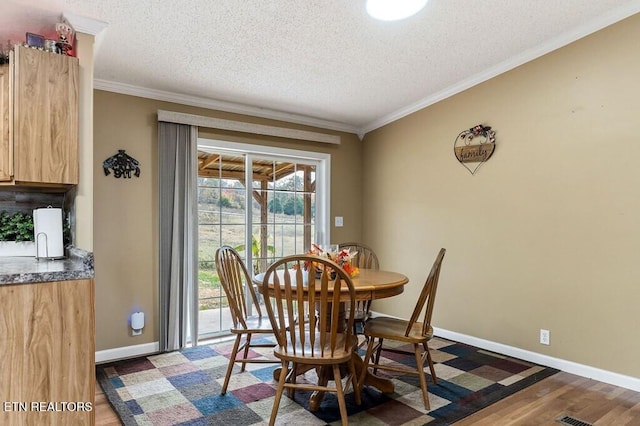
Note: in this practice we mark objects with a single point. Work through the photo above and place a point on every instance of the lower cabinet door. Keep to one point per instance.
(48, 353)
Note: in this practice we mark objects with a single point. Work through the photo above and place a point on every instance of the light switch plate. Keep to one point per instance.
(339, 221)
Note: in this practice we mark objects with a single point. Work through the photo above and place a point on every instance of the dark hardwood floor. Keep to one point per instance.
(105, 416)
(540, 404)
(562, 394)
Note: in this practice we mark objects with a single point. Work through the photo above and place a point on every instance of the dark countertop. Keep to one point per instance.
(23, 270)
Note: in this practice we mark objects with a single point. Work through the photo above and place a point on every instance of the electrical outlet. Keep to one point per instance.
(339, 222)
(545, 337)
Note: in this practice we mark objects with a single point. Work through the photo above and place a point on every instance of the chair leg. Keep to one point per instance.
(423, 380)
(366, 339)
(355, 333)
(232, 360)
(276, 401)
(365, 363)
(291, 377)
(433, 371)
(354, 381)
(247, 344)
(377, 361)
(341, 402)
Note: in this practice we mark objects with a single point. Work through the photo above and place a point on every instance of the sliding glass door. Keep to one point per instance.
(282, 210)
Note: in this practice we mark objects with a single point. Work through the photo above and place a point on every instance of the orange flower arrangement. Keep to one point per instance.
(341, 257)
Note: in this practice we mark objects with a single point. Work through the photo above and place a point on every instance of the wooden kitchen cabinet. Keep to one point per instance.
(6, 145)
(43, 140)
(48, 353)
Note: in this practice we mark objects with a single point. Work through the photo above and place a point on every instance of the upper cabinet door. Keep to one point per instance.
(6, 154)
(45, 131)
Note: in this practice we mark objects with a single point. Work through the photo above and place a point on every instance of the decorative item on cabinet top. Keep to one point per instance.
(122, 165)
(35, 40)
(4, 53)
(65, 38)
(474, 146)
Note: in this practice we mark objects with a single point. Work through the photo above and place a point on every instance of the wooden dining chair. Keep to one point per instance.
(365, 258)
(320, 338)
(411, 331)
(236, 284)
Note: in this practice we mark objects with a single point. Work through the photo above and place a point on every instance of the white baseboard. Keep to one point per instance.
(582, 370)
(127, 352)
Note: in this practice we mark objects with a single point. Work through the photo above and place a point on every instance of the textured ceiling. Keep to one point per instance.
(311, 61)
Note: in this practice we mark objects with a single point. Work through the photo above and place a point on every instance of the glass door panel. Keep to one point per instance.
(283, 217)
(275, 219)
(221, 221)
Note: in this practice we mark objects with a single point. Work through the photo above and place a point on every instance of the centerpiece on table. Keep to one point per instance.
(343, 257)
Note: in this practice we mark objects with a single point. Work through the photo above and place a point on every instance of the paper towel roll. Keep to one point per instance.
(47, 229)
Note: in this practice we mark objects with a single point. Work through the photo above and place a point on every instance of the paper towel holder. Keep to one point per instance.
(49, 232)
(46, 246)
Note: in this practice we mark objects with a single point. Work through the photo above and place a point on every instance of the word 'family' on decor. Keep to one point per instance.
(474, 146)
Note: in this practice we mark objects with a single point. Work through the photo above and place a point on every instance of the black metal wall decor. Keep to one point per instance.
(122, 165)
(474, 146)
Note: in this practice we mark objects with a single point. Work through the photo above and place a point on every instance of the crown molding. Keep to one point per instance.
(83, 24)
(160, 95)
(564, 39)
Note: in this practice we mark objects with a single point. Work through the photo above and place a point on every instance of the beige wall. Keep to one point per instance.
(547, 233)
(125, 210)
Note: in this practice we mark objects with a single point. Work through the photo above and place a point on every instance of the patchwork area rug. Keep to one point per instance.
(183, 388)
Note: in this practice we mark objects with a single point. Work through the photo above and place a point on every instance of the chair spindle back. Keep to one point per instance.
(365, 258)
(428, 295)
(235, 278)
(305, 311)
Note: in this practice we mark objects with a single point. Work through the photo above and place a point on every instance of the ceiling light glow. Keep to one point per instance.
(393, 10)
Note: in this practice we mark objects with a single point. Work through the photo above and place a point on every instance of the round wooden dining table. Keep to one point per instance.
(369, 284)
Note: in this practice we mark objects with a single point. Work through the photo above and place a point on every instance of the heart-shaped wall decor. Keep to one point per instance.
(474, 146)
